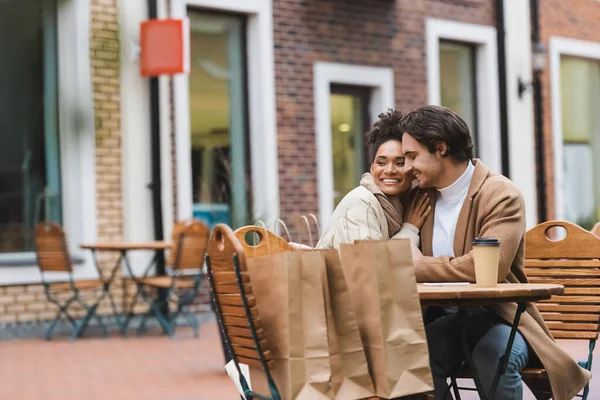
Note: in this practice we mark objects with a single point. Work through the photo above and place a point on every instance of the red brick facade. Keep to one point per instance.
(576, 19)
(382, 33)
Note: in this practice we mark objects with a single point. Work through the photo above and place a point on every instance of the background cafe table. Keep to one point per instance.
(472, 296)
(123, 248)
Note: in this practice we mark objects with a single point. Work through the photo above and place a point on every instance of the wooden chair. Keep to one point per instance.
(53, 258)
(573, 262)
(186, 260)
(264, 242)
(235, 307)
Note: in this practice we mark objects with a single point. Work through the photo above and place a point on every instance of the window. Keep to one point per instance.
(580, 106)
(29, 156)
(219, 127)
(457, 81)
(349, 122)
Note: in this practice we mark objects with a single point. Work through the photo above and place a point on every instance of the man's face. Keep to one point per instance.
(426, 167)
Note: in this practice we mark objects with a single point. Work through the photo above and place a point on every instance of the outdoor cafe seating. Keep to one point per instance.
(570, 262)
(571, 313)
(167, 297)
(573, 262)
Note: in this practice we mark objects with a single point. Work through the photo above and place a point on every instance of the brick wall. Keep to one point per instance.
(575, 19)
(382, 33)
(27, 303)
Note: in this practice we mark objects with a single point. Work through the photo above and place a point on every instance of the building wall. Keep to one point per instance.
(28, 302)
(375, 33)
(576, 19)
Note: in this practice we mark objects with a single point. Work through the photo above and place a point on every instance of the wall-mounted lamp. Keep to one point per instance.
(538, 63)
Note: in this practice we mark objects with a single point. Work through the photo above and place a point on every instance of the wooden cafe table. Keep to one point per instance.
(467, 296)
(123, 248)
(472, 296)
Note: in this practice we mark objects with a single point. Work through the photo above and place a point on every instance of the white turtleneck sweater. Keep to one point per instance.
(447, 208)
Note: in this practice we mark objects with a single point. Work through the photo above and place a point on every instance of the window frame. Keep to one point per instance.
(379, 80)
(487, 88)
(76, 148)
(364, 93)
(561, 46)
(473, 62)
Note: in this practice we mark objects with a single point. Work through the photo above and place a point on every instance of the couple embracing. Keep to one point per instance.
(425, 185)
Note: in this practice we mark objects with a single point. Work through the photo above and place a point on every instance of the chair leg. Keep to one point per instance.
(50, 329)
(155, 310)
(193, 322)
(101, 323)
(62, 310)
(78, 331)
(163, 321)
(142, 327)
(455, 389)
(586, 391)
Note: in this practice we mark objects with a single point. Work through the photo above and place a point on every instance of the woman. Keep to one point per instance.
(374, 210)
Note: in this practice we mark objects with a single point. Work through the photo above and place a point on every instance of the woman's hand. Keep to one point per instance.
(419, 209)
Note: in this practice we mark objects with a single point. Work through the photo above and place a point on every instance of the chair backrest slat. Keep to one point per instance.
(222, 247)
(190, 239)
(51, 248)
(574, 262)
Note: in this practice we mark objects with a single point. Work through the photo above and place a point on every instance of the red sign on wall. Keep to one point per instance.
(164, 47)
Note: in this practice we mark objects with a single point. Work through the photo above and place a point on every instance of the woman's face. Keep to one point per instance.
(388, 169)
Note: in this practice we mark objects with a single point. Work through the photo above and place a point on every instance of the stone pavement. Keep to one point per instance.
(153, 367)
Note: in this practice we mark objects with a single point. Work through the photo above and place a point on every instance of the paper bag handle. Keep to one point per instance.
(310, 239)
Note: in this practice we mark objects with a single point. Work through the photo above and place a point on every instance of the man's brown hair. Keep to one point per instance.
(433, 125)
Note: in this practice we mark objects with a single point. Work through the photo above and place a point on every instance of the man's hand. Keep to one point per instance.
(416, 253)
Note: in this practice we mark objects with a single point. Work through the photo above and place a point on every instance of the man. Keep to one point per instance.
(471, 201)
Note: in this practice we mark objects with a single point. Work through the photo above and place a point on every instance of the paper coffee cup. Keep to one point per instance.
(486, 253)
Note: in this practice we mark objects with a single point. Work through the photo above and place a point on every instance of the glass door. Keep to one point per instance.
(218, 110)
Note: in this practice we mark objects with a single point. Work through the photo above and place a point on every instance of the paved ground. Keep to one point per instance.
(149, 368)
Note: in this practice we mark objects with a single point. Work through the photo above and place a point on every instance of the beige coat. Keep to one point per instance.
(495, 208)
(359, 216)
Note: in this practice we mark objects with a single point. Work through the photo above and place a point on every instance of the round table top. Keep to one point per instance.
(125, 246)
(471, 294)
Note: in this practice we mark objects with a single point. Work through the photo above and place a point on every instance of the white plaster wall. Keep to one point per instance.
(521, 130)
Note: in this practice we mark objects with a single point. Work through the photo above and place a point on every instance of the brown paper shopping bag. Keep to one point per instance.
(381, 281)
(288, 288)
(349, 368)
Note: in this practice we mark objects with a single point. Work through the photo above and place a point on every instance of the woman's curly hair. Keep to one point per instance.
(387, 128)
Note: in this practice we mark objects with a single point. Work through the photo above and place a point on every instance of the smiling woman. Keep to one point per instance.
(375, 210)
